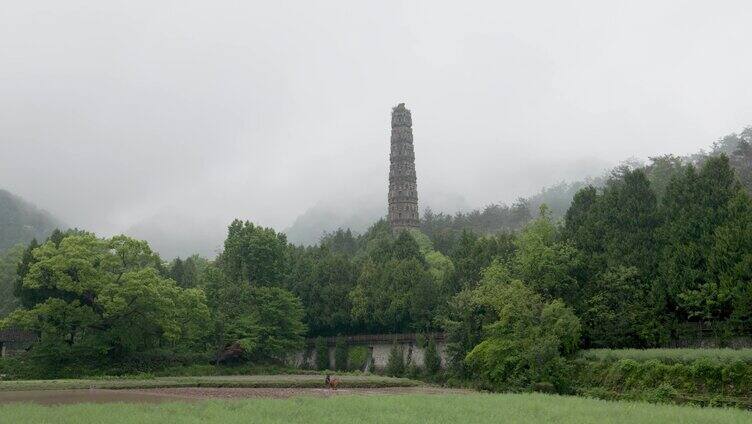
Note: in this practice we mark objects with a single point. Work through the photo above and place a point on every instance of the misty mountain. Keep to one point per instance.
(325, 217)
(21, 221)
(175, 234)
(358, 215)
(181, 233)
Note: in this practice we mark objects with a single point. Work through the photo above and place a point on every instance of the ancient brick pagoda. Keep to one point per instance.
(403, 187)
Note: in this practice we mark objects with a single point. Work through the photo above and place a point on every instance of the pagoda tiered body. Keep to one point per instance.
(403, 187)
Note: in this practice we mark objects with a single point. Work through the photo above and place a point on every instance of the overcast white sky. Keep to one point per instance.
(116, 112)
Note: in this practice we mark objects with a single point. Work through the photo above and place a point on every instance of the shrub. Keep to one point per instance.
(322, 354)
(544, 387)
(357, 357)
(340, 354)
(421, 340)
(663, 393)
(670, 356)
(396, 363)
(20, 367)
(703, 381)
(431, 359)
(412, 370)
(525, 344)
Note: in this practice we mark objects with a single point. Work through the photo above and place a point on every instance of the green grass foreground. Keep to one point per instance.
(476, 408)
(251, 381)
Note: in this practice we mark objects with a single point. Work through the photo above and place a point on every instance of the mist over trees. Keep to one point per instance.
(9, 260)
(650, 253)
(20, 221)
(320, 220)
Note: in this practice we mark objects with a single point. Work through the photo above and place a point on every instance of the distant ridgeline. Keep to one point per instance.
(20, 221)
(501, 217)
(736, 146)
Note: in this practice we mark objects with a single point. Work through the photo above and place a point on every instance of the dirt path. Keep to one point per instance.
(192, 394)
(241, 393)
(58, 397)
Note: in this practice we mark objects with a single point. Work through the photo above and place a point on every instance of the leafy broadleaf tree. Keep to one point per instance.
(253, 323)
(465, 318)
(525, 343)
(548, 265)
(254, 255)
(103, 299)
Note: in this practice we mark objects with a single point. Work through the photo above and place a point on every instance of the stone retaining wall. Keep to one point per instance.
(379, 347)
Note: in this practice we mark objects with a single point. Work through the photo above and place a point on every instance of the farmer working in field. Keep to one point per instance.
(331, 383)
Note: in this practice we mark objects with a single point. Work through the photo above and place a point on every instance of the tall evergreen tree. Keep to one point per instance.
(581, 221)
(630, 217)
(730, 263)
(741, 160)
(177, 271)
(694, 206)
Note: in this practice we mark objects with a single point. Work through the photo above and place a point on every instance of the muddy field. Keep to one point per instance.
(193, 394)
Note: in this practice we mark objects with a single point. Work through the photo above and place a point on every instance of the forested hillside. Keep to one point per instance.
(9, 260)
(652, 250)
(20, 221)
(736, 146)
(444, 226)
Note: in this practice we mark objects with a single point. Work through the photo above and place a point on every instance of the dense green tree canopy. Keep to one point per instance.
(639, 255)
(252, 321)
(103, 298)
(525, 342)
(548, 265)
(254, 254)
(695, 205)
(9, 261)
(323, 280)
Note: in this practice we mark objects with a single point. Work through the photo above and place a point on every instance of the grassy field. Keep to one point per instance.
(476, 408)
(294, 381)
(669, 356)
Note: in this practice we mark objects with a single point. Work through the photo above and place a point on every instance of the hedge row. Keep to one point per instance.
(702, 381)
